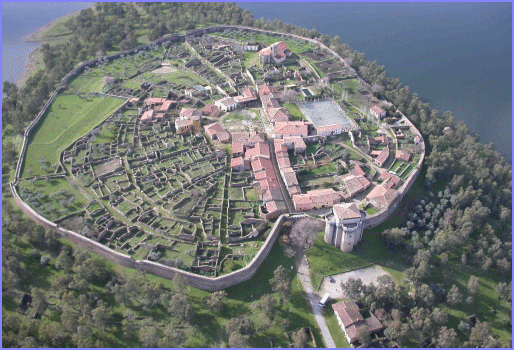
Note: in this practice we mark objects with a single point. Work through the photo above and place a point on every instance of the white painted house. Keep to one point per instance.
(377, 112)
(226, 104)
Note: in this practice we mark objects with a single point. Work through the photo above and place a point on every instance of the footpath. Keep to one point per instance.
(305, 279)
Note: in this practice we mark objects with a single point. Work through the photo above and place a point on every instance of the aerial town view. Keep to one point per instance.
(186, 175)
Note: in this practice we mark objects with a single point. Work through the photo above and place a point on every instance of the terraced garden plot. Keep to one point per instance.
(235, 193)
(318, 183)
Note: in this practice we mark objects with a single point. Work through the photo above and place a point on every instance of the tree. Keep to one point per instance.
(482, 337)
(353, 288)
(241, 324)
(394, 238)
(454, 296)
(304, 232)
(148, 336)
(447, 338)
(473, 284)
(128, 324)
(69, 320)
(214, 301)
(45, 260)
(280, 282)
(173, 337)
(300, 338)
(439, 317)
(424, 296)
(504, 290)
(101, 315)
(363, 336)
(237, 340)
(181, 308)
(268, 305)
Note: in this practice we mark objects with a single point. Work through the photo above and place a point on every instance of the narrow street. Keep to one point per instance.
(305, 279)
(283, 189)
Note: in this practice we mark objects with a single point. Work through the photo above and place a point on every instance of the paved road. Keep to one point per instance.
(314, 298)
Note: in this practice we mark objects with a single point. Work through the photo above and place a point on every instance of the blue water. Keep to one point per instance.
(19, 20)
(455, 56)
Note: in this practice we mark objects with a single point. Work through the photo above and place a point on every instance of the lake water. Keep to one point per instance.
(455, 56)
(19, 20)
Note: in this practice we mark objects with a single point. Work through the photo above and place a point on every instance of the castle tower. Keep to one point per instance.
(344, 227)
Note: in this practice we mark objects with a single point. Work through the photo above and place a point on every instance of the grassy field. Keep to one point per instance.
(295, 112)
(84, 84)
(339, 261)
(182, 77)
(68, 118)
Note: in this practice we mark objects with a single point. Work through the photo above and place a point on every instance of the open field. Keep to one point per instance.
(84, 84)
(68, 118)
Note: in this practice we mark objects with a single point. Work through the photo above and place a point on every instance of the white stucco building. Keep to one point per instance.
(344, 227)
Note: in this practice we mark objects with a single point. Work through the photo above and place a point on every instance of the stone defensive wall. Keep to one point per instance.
(202, 282)
(197, 281)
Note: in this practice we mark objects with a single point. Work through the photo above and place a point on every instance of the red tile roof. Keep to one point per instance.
(381, 196)
(147, 115)
(402, 155)
(357, 171)
(346, 211)
(283, 162)
(261, 149)
(266, 89)
(156, 100)
(236, 162)
(210, 109)
(383, 156)
(278, 115)
(377, 109)
(389, 180)
(237, 147)
(291, 129)
(355, 184)
(261, 163)
(267, 173)
(166, 105)
(218, 130)
(180, 123)
(189, 112)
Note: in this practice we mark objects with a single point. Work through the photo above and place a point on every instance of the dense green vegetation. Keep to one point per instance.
(454, 224)
(95, 303)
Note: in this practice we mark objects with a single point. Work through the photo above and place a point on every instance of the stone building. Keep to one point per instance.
(344, 227)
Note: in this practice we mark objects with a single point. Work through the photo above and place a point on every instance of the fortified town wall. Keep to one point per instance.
(197, 281)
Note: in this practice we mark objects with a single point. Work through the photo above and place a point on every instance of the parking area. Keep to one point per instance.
(367, 275)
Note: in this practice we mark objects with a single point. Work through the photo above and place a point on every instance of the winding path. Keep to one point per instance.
(305, 279)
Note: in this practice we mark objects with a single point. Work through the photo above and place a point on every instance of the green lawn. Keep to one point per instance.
(84, 84)
(131, 84)
(68, 118)
(339, 261)
(251, 58)
(295, 112)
